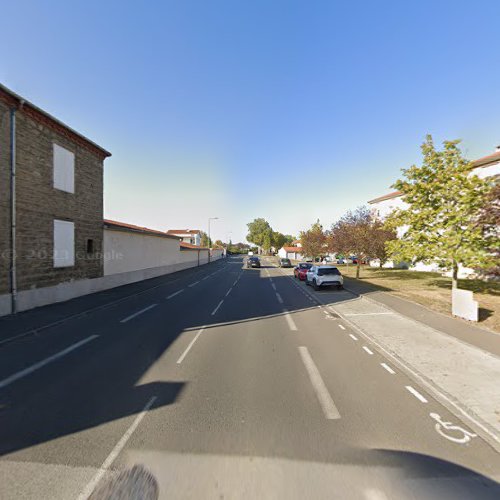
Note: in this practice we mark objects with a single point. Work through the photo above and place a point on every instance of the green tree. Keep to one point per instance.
(258, 230)
(443, 204)
(359, 233)
(204, 239)
(313, 241)
(288, 239)
(279, 240)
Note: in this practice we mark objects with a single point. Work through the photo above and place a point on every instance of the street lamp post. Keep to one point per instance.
(209, 240)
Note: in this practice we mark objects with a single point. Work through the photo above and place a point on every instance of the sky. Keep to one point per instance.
(289, 110)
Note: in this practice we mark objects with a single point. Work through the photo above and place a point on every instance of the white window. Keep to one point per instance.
(64, 243)
(64, 169)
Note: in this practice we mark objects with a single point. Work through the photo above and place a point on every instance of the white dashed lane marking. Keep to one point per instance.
(417, 394)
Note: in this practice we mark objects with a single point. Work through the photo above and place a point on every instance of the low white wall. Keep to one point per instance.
(126, 251)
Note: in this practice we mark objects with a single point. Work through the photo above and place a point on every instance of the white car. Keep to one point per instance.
(319, 276)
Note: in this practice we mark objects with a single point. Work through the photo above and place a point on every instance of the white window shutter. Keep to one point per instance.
(64, 169)
(64, 243)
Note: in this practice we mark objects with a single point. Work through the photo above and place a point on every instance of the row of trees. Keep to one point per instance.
(450, 217)
(356, 233)
(261, 234)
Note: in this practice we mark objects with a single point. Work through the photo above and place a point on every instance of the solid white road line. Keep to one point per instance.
(183, 355)
(368, 350)
(385, 366)
(175, 293)
(416, 393)
(278, 296)
(85, 494)
(290, 321)
(353, 337)
(325, 400)
(229, 291)
(218, 305)
(193, 284)
(128, 318)
(16, 376)
(342, 327)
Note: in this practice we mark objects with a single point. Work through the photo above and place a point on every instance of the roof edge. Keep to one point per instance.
(33, 111)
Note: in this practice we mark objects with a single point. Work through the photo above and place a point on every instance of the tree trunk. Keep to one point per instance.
(358, 267)
(454, 275)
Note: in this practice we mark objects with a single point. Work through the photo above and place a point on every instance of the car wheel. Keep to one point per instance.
(340, 287)
(315, 285)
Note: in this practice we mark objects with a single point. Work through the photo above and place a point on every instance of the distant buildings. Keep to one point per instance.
(191, 236)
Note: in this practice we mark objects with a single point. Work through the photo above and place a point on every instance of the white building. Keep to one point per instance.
(292, 253)
(191, 236)
(487, 166)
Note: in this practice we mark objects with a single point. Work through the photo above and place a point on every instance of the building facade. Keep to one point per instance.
(51, 200)
(191, 236)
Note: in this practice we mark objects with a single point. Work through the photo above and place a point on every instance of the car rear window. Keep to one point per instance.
(305, 266)
(328, 271)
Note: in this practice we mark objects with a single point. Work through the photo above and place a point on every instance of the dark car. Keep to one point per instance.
(285, 263)
(253, 262)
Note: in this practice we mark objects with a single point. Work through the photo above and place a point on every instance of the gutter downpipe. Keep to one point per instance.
(13, 269)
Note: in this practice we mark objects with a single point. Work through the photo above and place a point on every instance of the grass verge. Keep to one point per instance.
(432, 290)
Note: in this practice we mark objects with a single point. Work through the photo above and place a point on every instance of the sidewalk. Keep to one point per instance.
(463, 376)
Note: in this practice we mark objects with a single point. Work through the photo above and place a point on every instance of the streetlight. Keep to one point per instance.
(209, 240)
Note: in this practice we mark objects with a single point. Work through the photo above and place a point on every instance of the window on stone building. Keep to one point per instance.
(90, 246)
(64, 243)
(64, 169)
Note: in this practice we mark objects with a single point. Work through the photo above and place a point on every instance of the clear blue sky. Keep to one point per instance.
(288, 110)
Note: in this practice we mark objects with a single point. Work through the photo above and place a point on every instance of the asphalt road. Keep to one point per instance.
(226, 383)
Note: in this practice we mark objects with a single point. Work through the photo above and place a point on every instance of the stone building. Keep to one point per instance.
(51, 201)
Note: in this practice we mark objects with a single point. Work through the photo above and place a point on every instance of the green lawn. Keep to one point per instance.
(432, 290)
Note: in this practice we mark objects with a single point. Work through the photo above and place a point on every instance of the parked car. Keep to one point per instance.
(301, 269)
(321, 276)
(285, 263)
(253, 262)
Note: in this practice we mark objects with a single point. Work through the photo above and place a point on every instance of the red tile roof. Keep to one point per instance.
(394, 194)
(113, 224)
(183, 231)
(486, 160)
(293, 249)
(189, 246)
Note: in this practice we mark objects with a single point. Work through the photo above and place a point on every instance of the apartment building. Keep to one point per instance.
(51, 201)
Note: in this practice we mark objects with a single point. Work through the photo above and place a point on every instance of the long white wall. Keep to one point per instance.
(128, 258)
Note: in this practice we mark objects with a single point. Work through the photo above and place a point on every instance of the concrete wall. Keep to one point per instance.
(128, 257)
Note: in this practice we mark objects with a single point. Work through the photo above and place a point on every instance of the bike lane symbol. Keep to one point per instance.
(460, 435)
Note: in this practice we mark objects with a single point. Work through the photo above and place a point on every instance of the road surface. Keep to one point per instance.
(227, 382)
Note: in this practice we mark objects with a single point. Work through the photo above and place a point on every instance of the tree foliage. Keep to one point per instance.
(359, 233)
(443, 204)
(489, 223)
(313, 241)
(258, 231)
(204, 239)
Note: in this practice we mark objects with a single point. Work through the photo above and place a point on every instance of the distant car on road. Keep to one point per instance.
(253, 262)
(321, 276)
(285, 263)
(300, 270)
